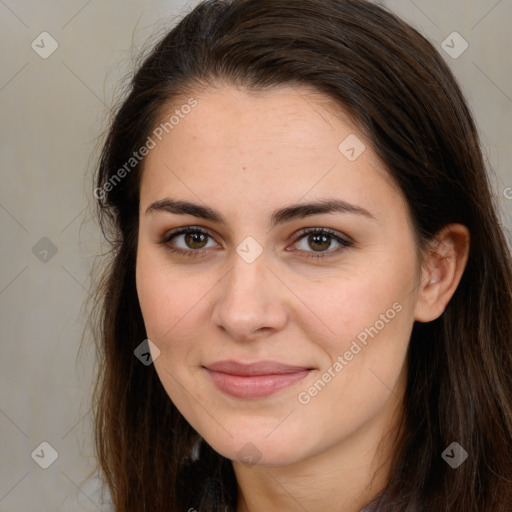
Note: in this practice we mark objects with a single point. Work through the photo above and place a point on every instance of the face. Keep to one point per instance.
(282, 329)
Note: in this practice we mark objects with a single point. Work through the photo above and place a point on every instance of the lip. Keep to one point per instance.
(254, 380)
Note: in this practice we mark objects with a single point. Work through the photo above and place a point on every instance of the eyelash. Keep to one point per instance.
(302, 234)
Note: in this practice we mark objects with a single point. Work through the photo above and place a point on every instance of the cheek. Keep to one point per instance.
(370, 313)
(169, 297)
(171, 308)
(359, 302)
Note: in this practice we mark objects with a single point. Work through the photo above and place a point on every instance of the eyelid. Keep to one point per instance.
(169, 235)
(341, 237)
(345, 241)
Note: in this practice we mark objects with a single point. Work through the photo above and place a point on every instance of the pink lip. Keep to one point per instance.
(254, 380)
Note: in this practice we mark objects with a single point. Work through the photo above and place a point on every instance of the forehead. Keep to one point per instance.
(295, 115)
(267, 146)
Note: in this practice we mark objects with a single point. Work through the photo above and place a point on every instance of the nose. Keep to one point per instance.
(251, 301)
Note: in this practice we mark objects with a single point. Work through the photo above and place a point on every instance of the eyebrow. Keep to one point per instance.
(280, 216)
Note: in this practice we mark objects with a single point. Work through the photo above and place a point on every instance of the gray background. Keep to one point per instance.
(53, 111)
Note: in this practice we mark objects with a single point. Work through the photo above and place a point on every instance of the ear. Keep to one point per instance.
(441, 272)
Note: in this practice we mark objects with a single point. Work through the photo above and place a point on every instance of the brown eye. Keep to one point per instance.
(319, 242)
(195, 239)
(189, 241)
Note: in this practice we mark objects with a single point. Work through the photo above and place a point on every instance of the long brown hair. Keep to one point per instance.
(402, 95)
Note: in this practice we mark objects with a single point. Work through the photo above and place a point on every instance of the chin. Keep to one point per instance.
(257, 447)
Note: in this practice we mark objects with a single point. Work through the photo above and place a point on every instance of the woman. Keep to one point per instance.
(308, 305)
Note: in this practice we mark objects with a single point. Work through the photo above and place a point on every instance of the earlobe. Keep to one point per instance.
(442, 271)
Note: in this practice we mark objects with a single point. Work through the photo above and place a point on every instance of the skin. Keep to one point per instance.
(246, 154)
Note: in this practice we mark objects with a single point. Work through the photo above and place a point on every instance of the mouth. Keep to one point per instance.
(254, 380)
